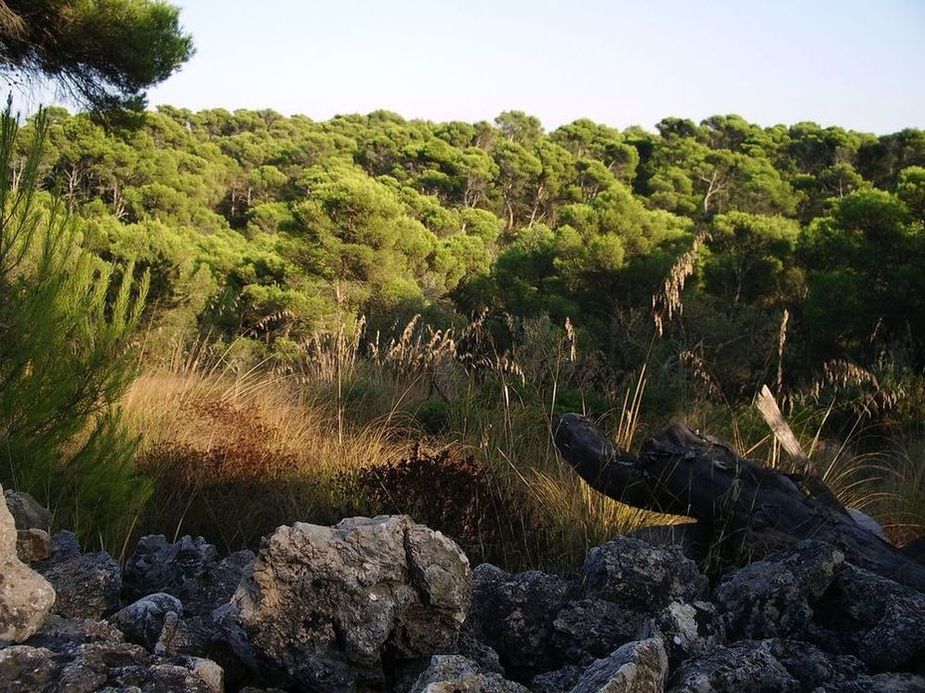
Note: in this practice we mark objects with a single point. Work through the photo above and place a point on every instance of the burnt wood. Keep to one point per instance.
(681, 472)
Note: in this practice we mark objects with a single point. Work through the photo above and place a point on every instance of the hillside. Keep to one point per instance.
(322, 295)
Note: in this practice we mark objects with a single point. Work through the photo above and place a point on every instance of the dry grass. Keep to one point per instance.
(234, 458)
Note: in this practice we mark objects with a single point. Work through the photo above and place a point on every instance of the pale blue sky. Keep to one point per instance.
(856, 64)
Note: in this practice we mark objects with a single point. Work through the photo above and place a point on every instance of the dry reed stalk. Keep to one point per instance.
(668, 300)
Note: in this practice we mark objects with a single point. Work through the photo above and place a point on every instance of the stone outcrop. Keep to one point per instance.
(326, 604)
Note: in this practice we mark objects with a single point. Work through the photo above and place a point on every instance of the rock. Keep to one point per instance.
(25, 596)
(88, 586)
(456, 674)
(812, 667)
(745, 666)
(27, 512)
(771, 597)
(324, 604)
(687, 629)
(864, 520)
(59, 633)
(103, 665)
(185, 675)
(470, 646)
(637, 667)
(876, 619)
(880, 683)
(588, 629)
(24, 668)
(514, 614)
(641, 577)
(765, 665)
(190, 569)
(64, 545)
(558, 681)
(33, 545)
(142, 621)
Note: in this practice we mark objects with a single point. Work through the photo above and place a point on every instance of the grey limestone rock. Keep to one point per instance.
(33, 545)
(557, 681)
(324, 604)
(891, 682)
(744, 666)
(99, 665)
(456, 674)
(143, 621)
(190, 569)
(588, 629)
(876, 619)
(765, 665)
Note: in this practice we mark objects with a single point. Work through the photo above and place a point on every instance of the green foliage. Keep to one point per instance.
(66, 319)
(106, 52)
(272, 228)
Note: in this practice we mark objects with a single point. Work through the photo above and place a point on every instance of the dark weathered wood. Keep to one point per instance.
(682, 473)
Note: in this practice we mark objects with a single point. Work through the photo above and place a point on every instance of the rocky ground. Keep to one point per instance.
(385, 604)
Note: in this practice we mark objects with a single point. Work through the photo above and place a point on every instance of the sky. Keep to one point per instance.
(856, 64)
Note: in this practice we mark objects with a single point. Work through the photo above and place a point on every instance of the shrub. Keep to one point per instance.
(450, 493)
(65, 325)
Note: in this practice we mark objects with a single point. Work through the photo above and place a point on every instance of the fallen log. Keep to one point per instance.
(681, 472)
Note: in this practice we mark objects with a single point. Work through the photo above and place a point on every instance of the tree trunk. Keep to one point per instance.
(682, 473)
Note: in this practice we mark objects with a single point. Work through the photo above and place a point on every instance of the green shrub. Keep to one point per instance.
(65, 325)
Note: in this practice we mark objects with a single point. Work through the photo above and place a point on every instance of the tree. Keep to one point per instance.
(105, 53)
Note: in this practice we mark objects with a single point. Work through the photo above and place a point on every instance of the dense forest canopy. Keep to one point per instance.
(270, 227)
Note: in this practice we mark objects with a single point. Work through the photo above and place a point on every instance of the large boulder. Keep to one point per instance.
(190, 569)
(638, 576)
(876, 619)
(515, 615)
(772, 597)
(325, 604)
(637, 667)
(25, 596)
(87, 585)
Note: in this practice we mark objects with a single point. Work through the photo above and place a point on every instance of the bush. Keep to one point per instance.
(65, 326)
(453, 494)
